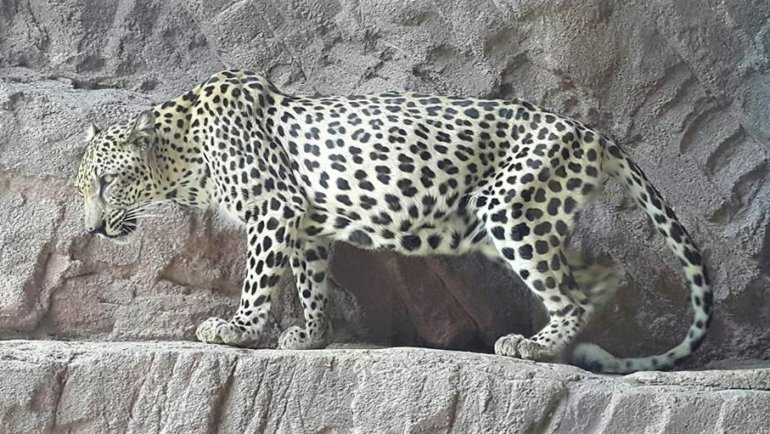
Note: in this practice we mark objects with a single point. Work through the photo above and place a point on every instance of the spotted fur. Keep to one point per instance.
(416, 174)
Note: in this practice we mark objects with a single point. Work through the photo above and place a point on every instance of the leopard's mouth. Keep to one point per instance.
(125, 230)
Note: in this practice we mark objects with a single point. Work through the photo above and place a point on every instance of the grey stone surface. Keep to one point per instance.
(684, 85)
(79, 387)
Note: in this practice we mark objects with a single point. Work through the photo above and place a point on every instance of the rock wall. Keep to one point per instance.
(683, 84)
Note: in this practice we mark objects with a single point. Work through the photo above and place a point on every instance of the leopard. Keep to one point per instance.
(412, 173)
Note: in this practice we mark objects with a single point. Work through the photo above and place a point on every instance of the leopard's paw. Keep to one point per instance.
(218, 331)
(518, 346)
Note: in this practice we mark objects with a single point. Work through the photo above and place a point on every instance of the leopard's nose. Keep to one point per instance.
(96, 230)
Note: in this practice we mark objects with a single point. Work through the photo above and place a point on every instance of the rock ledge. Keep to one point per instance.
(51, 386)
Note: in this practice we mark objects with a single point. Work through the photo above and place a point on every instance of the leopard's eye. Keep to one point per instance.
(104, 182)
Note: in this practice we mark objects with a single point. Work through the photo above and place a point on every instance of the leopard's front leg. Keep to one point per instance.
(267, 259)
(309, 263)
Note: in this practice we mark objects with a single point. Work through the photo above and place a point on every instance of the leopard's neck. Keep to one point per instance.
(178, 166)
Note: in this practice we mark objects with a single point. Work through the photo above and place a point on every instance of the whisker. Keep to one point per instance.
(135, 216)
(144, 206)
(152, 203)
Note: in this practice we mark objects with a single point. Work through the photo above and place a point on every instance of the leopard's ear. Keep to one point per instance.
(143, 130)
(91, 132)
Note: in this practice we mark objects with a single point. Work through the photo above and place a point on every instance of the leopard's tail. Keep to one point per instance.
(617, 164)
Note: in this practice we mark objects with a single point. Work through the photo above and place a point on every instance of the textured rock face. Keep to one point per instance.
(684, 85)
(194, 388)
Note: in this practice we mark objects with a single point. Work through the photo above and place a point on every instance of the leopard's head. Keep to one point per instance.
(115, 179)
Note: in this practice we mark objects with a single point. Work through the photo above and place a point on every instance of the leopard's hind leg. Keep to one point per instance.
(599, 282)
(529, 230)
